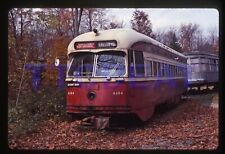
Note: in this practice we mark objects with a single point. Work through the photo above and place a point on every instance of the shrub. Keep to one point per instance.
(34, 107)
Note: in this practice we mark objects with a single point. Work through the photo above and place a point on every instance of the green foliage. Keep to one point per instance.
(35, 107)
(141, 23)
(174, 42)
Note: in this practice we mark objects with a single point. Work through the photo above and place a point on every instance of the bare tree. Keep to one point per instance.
(213, 39)
(76, 15)
(169, 38)
(187, 36)
(19, 22)
(159, 35)
(114, 23)
(200, 41)
(94, 18)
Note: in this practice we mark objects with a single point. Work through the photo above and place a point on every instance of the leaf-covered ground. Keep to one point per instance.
(190, 125)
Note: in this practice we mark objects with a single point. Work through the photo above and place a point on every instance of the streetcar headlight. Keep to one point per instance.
(91, 95)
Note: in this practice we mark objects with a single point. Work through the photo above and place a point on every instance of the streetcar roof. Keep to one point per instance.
(201, 53)
(125, 39)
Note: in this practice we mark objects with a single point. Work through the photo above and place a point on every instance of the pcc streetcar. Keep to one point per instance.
(122, 72)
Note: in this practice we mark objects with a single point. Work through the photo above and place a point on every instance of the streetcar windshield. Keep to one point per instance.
(81, 64)
(105, 63)
(110, 64)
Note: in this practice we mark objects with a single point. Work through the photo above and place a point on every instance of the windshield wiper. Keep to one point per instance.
(114, 69)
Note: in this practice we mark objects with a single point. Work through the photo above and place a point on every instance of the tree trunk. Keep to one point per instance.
(90, 19)
(21, 29)
(76, 23)
(77, 20)
(22, 77)
(73, 23)
(16, 47)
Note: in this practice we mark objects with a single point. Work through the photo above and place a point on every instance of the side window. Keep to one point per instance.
(175, 74)
(210, 68)
(166, 70)
(176, 70)
(159, 70)
(183, 71)
(170, 70)
(139, 63)
(163, 69)
(179, 71)
(154, 68)
(149, 68)
(131, 63)
(217, 65)
(195, 60)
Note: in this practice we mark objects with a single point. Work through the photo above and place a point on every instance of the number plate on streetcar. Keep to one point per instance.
(73, 84)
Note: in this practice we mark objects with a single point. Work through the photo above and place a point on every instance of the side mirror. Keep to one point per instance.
(57, 61)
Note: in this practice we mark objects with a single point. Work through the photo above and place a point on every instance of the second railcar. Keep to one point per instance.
(203, 69)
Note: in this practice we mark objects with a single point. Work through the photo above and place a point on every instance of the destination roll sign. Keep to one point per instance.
(95, 45)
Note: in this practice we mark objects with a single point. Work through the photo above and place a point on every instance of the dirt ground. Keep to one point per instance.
(208, 99)
(193, 124)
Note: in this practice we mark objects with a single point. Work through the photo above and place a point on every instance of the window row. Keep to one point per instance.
(154, 68)
(204, 60)
(203, 67)
(138, 67)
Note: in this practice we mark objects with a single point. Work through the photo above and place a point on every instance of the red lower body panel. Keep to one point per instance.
(110, 98)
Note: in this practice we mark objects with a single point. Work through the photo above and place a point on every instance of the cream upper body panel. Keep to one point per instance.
(125, 39)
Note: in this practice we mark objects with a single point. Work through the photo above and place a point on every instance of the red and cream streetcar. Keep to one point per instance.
(122, 72)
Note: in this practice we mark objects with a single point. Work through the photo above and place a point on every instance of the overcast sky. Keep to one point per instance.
(165, 18)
